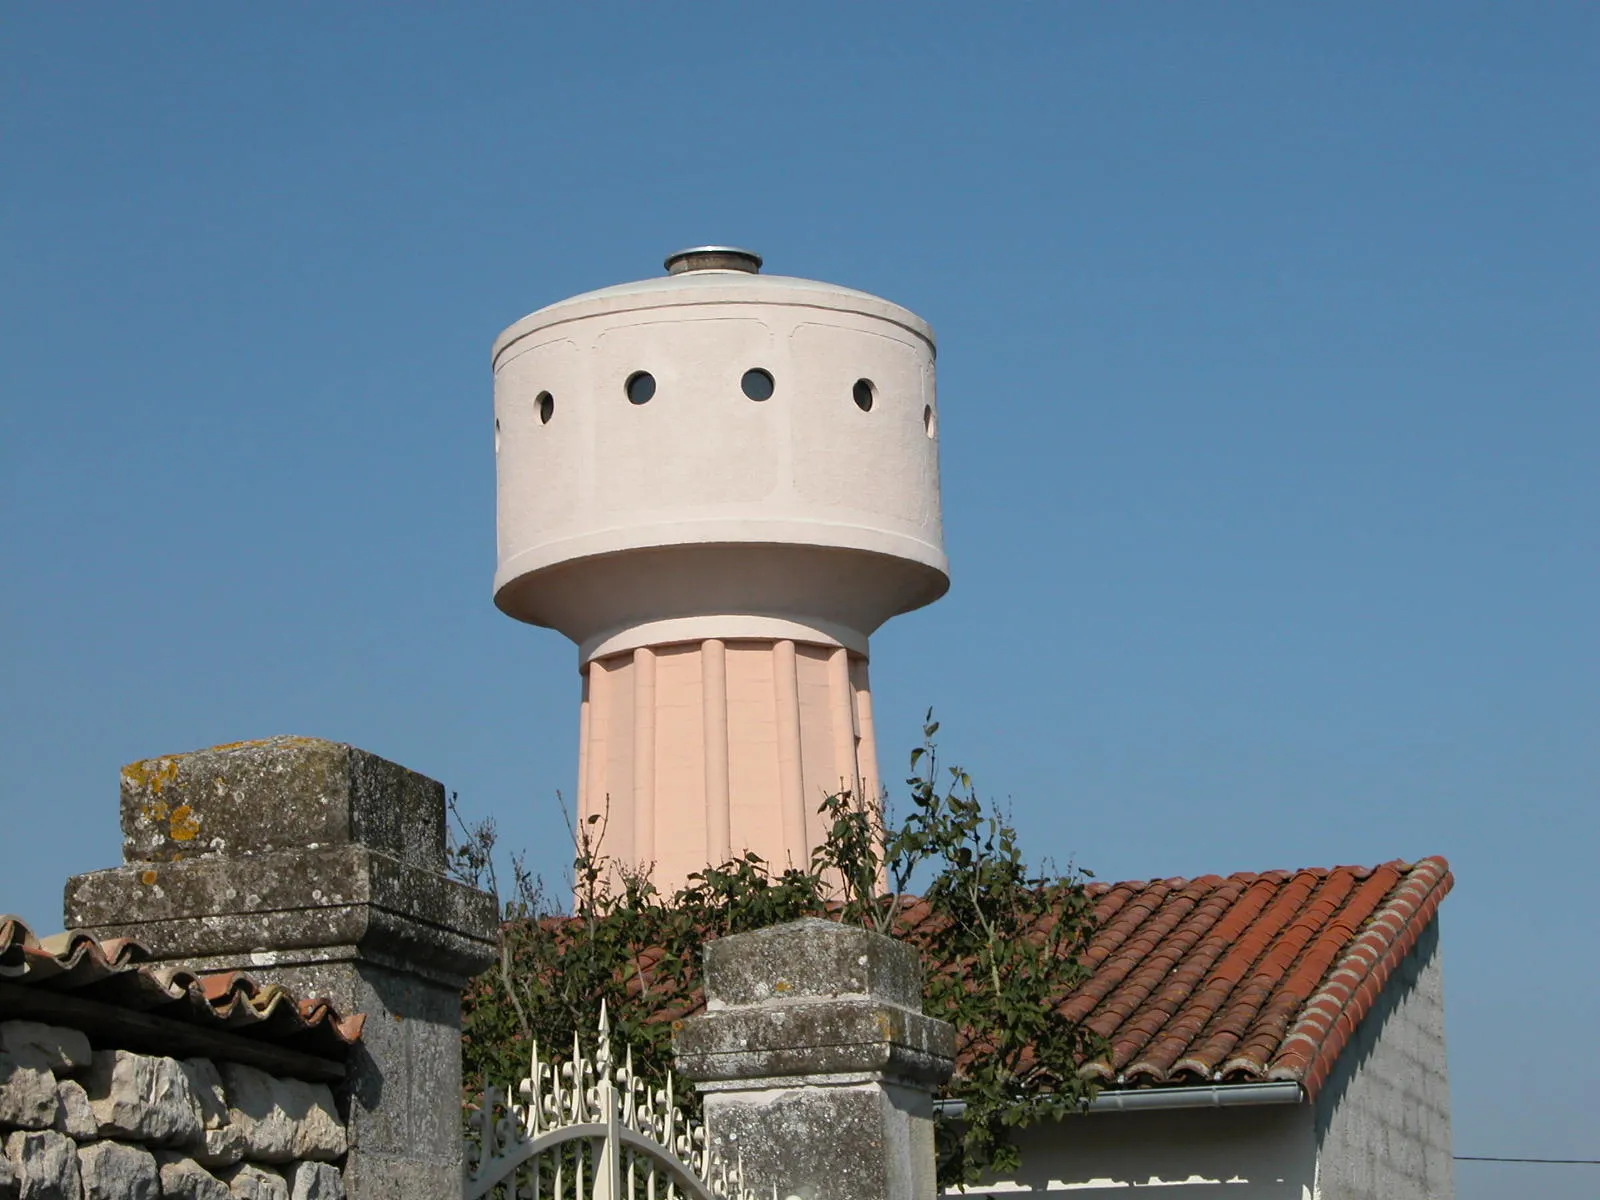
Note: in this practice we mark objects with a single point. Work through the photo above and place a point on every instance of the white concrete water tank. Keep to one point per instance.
(718, 484)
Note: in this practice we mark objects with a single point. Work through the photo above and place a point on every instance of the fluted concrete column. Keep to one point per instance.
(714, 722)
(696, 752)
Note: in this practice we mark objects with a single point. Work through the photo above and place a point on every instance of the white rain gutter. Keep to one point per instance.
(1217, 1095)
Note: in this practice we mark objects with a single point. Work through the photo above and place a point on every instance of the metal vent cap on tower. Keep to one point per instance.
(713, 258)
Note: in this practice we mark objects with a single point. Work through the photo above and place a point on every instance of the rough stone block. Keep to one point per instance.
(221, 1148)
(74, 1115)
(248, 1181)
(143, 1098)
(281, 793)
(10, 1185)
(113, 1171)
(256, 1109)
(205, 1081)
(184, 1179)
(63, 1051)
(281, 1120)
(318, 1133)
(46, 1166)
(316, 1181)
(27, 1093)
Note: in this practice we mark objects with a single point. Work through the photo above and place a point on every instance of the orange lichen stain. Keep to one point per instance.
(148, 878)
(283, 740)
(783, 985)
(155, 811)
(184, 825)
(151, 774)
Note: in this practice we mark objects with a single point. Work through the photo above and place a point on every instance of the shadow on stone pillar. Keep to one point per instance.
(321, 867)
(816, 1064)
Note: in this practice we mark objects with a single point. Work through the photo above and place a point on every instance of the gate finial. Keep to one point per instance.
(617, 1130)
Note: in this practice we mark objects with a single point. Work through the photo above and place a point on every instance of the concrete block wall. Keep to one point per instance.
(1383, 1117)
(79, 1123)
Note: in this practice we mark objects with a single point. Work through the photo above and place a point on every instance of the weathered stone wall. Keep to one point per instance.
(79, 1123)
(1383, 1117)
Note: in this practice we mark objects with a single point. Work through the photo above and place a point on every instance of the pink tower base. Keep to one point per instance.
(697, 752)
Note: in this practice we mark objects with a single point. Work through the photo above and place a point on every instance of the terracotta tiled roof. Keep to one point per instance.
(118, 973)
(1249, 977)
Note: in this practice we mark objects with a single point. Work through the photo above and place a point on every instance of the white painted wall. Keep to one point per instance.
(1266, 1152)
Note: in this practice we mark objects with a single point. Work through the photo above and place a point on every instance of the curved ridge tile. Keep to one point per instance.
(1348, 991)
(118, 972)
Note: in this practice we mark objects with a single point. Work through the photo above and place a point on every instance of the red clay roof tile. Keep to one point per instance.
(119, 972)
(1253, 977)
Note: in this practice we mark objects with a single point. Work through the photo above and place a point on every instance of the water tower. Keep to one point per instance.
(719, 484)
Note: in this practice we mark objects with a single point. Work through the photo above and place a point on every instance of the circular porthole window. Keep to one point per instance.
(641, 386)
(757, 384)
(546, 404)
(863, 393)
(930, 421)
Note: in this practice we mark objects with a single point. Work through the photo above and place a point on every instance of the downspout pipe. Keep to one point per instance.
(1220, 1095)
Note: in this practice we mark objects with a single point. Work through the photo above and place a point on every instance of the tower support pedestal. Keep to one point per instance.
(694, 751)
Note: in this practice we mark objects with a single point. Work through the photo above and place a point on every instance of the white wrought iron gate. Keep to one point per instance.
(591, 1130)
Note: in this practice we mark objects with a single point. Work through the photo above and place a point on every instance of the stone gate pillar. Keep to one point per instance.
(321, 867)
(816, 1064)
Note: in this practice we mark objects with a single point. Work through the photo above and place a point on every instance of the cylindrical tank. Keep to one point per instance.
(718, 484)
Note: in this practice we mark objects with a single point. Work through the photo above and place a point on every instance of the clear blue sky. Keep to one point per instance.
(1268, 379)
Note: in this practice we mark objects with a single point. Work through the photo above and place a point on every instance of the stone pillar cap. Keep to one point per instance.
(284, 852)
(810, 959)
(280, 793)
(813, 998)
